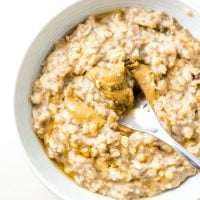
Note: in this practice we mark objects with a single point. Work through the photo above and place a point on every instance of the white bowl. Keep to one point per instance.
(53, 178)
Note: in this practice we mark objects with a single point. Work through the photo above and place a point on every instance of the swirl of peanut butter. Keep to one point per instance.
(144, 77)
(107, 79)
(146, 80)
(123, 97)
(113, 84)
(84, 114)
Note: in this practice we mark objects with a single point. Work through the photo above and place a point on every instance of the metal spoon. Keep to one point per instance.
(143, 119)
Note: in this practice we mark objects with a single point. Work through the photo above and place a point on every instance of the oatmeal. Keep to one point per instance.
(86, 87)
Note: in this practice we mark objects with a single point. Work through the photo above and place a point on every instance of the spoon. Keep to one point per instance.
(143, 119)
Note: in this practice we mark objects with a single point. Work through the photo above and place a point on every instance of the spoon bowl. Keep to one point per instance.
(142, 118)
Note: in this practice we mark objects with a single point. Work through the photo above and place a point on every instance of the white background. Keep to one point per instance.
(20, 21)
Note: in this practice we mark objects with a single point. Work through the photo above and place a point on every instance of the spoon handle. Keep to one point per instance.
(194, 161)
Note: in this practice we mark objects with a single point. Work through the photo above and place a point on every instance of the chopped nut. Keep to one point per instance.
(188, 12)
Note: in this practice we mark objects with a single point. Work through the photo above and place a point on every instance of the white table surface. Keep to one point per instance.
(20, 21)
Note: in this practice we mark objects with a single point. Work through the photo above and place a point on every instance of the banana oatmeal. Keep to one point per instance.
(87, 84)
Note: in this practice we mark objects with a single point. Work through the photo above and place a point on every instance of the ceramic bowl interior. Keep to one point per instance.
(53, 178)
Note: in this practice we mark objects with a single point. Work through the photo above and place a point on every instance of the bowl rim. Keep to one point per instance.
(26, 154)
